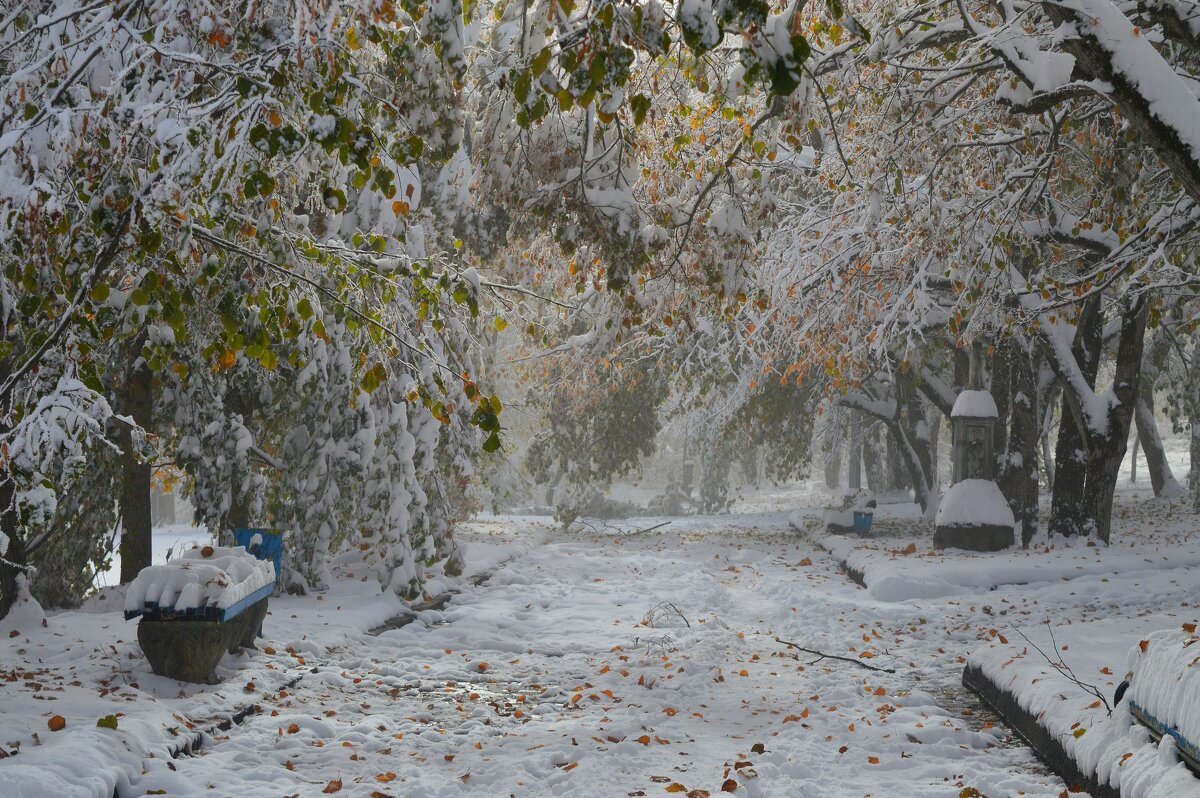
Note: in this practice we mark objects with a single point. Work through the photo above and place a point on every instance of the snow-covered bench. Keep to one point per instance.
(195, 608)
(1164, 689)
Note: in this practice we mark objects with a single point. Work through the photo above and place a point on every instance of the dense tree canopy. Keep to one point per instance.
(277, 245)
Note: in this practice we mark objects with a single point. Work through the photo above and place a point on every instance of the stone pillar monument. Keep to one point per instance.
(974, 514)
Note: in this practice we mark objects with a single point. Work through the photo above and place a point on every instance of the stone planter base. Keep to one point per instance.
(987, 537)
(190, 650)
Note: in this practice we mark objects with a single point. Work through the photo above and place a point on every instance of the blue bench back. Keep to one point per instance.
(271, 547)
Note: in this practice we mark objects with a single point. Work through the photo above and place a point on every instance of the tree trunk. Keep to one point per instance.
(875, 461)
(854, 478)
(136, 401)
(1106, 448)
(1161, 479)
(833, 456)
(1019, 469)
(1048, 386)
(12, 561)
(899, 478)
(1067, 512)
(914, 439)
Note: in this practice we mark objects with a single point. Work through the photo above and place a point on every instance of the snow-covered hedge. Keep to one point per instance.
(201, 578)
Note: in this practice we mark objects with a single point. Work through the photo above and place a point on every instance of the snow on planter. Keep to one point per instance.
(202, 583)
(974, 404)
(974, 502)
(1070, 728)
(1164, 686)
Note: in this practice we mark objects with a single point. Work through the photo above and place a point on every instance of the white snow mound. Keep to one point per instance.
(974, 502)
(1166, 681)
(216, 577)
(974, 404)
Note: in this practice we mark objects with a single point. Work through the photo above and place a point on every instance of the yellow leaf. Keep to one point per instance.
(676, 787)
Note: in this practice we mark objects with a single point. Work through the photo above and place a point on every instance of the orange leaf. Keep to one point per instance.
(805, 562)
(874, 760)
(644, 739)
(676, 787)
(332, 787)
(292, 729)
(57, 723)
(386, 777)
(1144, 644)
(880, 691)
(1190, 628)
(729, 786)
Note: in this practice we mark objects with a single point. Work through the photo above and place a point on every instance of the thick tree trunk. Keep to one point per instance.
(875, 461)
(1106, 448)
(13, 560)
(854, 477)
(1067, 512)
(899, 478)
(1194, 457)
(914, 439)
(1161, 479)
(833, 457)
(1019, 469)
(137, 401)
(934, 418)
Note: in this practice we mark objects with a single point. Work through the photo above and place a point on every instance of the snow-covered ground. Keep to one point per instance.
(616, 664)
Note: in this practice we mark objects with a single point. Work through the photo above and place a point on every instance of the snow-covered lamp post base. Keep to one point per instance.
(973, 514)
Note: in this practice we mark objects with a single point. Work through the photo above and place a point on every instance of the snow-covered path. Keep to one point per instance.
(586, 664)
(547, 681)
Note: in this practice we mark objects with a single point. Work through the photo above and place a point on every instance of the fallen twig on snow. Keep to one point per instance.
(822, 655)
(661, 609)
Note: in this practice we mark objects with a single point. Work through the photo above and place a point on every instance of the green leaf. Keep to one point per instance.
(108, 722)
(492, 443)
(522, 85)
(641, 106)
(374, 377)
(140, 296)
(100, 292)
(541, 61)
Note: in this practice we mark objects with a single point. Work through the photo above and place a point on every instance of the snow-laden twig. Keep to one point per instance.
(822, 655)
(1062, 667)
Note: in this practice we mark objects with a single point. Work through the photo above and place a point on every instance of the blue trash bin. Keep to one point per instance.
(862, 522)
(271, 547)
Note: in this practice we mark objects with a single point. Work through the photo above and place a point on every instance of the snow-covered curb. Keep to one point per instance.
(1068, 726)
(892, 571)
